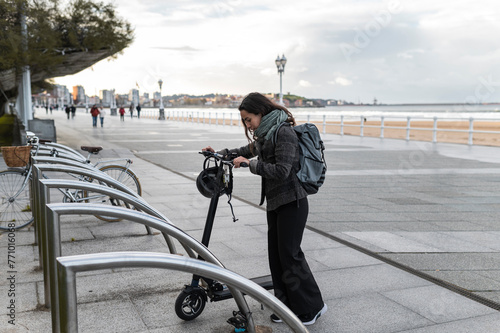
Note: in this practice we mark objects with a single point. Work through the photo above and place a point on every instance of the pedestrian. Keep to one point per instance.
(131, 109)
(287, 205)
(46, 109)
(94, 111)
(138, 108)
(122, 113)
(67, 110)
(73, 111)
(102, 114)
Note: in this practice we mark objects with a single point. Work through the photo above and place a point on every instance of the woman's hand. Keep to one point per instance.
(210, 149)
(238, 161)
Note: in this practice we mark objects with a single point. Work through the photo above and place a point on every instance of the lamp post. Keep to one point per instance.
(162, 111)
(280, 64)
(112, 104)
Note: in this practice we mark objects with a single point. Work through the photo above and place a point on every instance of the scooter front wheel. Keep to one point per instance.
(190, 303)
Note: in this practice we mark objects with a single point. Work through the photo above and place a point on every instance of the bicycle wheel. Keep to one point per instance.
(15, 208)
(125, 176)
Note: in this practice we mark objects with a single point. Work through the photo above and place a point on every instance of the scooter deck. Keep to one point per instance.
(265, 282)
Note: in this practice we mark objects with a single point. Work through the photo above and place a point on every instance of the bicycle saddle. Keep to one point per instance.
(91, 149)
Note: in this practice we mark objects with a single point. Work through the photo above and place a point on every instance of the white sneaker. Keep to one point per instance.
(311, 319)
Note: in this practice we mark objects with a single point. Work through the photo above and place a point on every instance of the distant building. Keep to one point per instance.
(133, 96)
(122, 100)
(105, 96)
(299, 102)
(94, 100)
(78, 95)
(145, 99)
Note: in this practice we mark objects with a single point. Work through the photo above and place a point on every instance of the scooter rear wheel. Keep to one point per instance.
(190, 303)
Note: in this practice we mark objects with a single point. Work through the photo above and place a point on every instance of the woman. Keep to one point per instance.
(287, 205)
(102, 114)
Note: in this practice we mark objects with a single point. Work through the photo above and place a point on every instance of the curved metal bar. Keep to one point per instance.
(41, 197)
(95, 174)
(69, 266)
(47, 151)
(46, 184)
(57, 160)
(54, 211)
(84, 170)
(63, 147)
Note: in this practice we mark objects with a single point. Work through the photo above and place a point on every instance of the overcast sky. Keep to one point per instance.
(398, 51)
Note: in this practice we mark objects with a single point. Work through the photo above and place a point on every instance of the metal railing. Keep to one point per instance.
(67, 268)
(337, 123)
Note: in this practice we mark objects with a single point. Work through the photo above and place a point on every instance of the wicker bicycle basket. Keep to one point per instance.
(16, 156)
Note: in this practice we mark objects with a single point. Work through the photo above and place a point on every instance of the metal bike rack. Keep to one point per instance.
(47, 151)
(63, 147)
(38, 170)
(44, 199)
(58, 160)
(54, 211)
(67, 268)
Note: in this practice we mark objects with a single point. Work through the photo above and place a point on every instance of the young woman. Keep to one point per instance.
(287, 205)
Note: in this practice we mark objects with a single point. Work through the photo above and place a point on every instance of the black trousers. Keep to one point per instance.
(293, 280)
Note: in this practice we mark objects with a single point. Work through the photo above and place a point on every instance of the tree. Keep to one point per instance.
(60, 41)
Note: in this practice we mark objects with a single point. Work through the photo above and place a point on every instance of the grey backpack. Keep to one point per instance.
(312, 158)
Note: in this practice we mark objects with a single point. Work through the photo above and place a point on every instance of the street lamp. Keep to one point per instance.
(280, 64)
(112, 103)
(162, 111)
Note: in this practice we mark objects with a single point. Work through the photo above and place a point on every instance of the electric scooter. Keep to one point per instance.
(213, 182)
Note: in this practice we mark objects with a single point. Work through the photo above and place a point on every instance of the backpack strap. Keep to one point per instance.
(275, 137)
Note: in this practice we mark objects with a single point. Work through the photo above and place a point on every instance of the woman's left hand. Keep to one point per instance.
(239, 160)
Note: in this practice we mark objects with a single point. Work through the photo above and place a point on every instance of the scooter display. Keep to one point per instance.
(213, 182)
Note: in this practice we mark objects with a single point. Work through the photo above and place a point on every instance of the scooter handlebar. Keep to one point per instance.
(224, 158)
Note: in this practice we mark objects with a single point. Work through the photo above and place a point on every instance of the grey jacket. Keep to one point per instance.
(278, 164)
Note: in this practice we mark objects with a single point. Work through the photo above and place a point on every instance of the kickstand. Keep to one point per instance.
(230, 205)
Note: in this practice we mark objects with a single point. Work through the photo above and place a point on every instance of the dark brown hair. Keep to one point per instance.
(257, 103)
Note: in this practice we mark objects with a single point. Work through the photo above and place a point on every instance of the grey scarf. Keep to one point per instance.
(269, 123)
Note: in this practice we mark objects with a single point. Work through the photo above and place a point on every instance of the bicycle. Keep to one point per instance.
(15, 198)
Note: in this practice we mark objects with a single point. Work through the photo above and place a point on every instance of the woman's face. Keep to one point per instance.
(251, 120)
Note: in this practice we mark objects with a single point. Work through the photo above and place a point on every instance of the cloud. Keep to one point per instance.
(180, 48)
(341, 81)
(409, 54)
(425, 51)
(304, 83)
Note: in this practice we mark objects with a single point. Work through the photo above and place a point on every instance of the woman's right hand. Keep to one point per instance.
(210, 149)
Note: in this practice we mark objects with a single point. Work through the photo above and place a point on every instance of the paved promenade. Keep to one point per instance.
(386, 204)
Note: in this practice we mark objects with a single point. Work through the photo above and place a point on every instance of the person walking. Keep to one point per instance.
(287, 205)
(102, 114)
(67, 110)
(122, 113)
(131, 110)
(73, 111)
(138, 108)
(94, 112)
